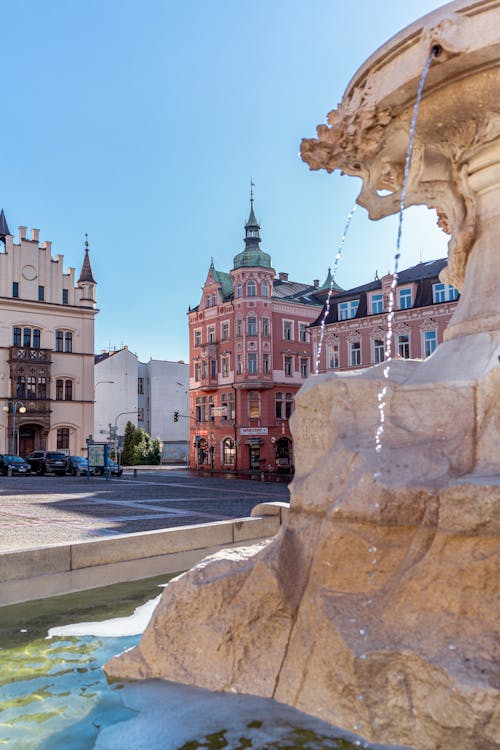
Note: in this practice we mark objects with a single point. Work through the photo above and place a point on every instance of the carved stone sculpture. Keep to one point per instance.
(374, 608)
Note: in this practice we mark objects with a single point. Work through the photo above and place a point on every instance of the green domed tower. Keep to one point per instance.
(252, 255)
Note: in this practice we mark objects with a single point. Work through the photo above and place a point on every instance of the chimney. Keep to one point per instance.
(283, 276)
(35, 235)
(22, 233)
(47, 246)
(316, 283)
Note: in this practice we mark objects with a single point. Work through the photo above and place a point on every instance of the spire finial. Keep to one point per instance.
(86, 242)
(251, 191)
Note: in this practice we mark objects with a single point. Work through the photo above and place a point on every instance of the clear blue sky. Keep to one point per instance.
(142, 122)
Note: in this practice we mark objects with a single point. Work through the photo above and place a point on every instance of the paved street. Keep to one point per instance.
(45, 510)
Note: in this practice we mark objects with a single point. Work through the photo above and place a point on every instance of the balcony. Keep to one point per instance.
(28, 354)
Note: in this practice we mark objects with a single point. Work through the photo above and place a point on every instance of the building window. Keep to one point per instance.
(211, 335)
(224, 331)
(63, 438)
(288, 366)
(348, 310)
(239, 366)
(197, 410)
(303, 332)
(430, 342)
(265, 326)
(26, 336)
(59, 390)
(68, 390)
(68, 341)
(239, 290)
(41, 387)
(253, 405)
(16, 337)
(284, 405)
(203, 369)
(251, 289)
(332, 356)
(404, 346)
(140, 386)
(405, 298)
(225, 367)
(227, 400)
(265, 364)
(197, 337)
(213, 368)
(229, 452)
(31, 387)
(41, 293)
(287, 330)
(378, 351)
(197, 371)
(355, 353)
(15, 289)
(444, 293)
(59, 341)
(304, 368)
(252, 363)
(65, 296)
(36, 338)
(251, 326)
(238, 327)
(264, 289)
(377, 304)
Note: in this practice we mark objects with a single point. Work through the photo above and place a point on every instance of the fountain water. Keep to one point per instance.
(284, 621)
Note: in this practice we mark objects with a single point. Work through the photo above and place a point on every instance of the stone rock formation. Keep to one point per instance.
(374, 606)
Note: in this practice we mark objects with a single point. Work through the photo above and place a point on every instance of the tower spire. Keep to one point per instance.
(86, 275)
(4, 229)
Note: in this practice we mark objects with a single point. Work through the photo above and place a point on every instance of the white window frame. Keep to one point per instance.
(197, 337)
(429, 345)
(252, 357)
(355, 354)
(405, 301)
(211, 335)
(347, 310)
(378, 351)
(252, 329)
(288, 329)
(288, 366)
(251, 288)
(332, 357)
(303, 332)
(404, 345)
(377, 301)
(444, 293)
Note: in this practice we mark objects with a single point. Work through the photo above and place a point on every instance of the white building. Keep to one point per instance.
(46, 347)
(146, 393)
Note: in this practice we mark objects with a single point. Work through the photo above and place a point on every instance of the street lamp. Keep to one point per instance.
(115, 433)
(14, 407)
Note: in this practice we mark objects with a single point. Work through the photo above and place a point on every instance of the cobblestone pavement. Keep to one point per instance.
(44, 510)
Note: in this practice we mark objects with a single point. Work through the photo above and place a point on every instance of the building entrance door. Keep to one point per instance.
(26, 440)
(254, 456)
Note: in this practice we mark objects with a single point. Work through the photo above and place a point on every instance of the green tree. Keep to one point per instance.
(146, 450)
(130, 441)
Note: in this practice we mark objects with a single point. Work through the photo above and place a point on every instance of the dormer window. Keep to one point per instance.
(348, 310)
(405, 298)
(377, 305)
(444, 293)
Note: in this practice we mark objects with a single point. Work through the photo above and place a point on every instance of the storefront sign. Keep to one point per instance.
(254, 431)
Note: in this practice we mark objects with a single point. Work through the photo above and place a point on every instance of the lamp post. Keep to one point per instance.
(188, 447)
(121, 414)
(13, 407)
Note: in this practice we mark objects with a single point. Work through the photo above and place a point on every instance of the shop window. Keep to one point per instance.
(229, 452)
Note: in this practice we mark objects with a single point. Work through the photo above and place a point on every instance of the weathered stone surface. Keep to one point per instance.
(376, 605)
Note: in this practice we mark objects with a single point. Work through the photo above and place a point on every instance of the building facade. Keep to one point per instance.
(355, 327)
(148, 394)
(46, 347)
(250, 351)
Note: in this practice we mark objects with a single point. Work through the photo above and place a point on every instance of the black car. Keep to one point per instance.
(78, 465)
(10, 464)
(43, 462)
(113, 469)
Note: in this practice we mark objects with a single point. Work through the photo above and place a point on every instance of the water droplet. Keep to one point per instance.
(376, 505)
(374, 561)
(23, 630)
(452, 647)
(378, 448)
(360, 698)
(363, 656)
(362, 631)
(372, 549)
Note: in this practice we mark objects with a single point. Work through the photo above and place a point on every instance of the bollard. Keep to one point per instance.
(9, 471)
(135, 472)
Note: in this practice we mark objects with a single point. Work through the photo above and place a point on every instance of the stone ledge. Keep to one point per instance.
(56, 569)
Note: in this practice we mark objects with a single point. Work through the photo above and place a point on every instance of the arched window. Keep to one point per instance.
(251, 289)
(229, 452)
(64, 390)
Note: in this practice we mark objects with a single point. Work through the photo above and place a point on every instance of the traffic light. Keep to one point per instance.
(176, 416)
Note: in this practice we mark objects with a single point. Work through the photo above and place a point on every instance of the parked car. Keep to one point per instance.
(43, 462)
(113, 468)
(10, 464)
(78, 465)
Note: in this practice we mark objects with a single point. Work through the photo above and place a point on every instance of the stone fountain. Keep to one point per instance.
(374, 607)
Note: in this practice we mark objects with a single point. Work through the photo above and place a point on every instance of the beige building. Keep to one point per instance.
(46, 347)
